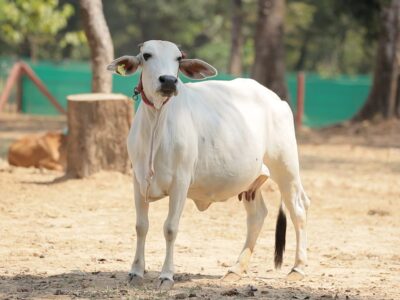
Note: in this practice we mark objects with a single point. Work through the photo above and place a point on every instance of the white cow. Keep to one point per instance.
(209, 141)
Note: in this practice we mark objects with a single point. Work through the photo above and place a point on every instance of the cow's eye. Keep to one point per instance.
(179, 58)
(146, 56)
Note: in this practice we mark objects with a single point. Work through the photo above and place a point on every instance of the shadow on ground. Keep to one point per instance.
(60, 179)
(105, 285)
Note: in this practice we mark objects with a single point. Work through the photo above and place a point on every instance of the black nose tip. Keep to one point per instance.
(168, 84)
(168, 79)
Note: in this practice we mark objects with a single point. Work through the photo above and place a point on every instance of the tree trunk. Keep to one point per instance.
(34, 49)
(384, 97)
(235, 59)
(300, 64)
(98, 125)
(100, 42)
(269, 65)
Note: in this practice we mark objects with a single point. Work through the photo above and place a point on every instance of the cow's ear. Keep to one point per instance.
(196, 68)
(125, 65)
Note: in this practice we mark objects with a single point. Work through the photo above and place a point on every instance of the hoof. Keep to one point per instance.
(295, 275)
(231, 277)
(165, 284)
(135, 279)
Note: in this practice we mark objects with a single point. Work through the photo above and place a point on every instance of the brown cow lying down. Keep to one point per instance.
(40, 151)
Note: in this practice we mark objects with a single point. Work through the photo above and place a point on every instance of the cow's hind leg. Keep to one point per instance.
(282, 160)
(296, 201)
(142, 226)
(256, 213)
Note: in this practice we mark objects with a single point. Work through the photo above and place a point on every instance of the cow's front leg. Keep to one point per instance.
(177, 199)
(142, 226)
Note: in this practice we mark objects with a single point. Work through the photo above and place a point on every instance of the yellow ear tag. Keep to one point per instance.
(121, 69)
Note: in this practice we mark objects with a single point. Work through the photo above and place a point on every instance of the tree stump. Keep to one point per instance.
(98, 126)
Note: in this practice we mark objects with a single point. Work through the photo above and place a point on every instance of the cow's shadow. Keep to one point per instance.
(96, 285)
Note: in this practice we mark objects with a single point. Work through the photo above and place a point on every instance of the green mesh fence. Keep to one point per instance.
(327, 100)
(330, 100)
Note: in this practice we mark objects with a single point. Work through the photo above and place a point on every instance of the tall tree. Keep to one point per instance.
(100, 42)
(384, 97)
(235, 58)
(269, 65)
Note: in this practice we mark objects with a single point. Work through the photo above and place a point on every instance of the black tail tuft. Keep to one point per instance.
(280, 238)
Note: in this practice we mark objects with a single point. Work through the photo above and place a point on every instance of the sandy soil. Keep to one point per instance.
(75, 238)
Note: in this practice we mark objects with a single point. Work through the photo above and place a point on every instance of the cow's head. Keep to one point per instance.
(161, 61)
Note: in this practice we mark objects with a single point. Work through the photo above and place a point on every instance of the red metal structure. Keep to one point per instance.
(17, 71)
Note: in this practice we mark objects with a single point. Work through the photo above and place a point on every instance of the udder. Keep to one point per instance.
(220, 185)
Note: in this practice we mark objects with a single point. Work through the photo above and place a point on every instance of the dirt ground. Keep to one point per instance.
(76, 238)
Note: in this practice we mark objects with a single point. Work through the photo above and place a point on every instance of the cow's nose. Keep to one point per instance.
(168, 79)
(168, 84)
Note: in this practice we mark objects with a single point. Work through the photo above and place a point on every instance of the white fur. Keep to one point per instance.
(213, 140)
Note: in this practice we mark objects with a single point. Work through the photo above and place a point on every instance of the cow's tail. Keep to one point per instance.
(280, 237)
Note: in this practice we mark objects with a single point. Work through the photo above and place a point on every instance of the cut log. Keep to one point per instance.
(98, 125)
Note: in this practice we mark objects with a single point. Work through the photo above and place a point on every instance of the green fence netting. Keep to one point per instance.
(327, 100)
(330, 100)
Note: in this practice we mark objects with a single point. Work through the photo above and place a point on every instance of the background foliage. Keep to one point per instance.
(324, 36)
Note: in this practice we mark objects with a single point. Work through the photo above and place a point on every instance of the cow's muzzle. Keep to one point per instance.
(168, 85)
